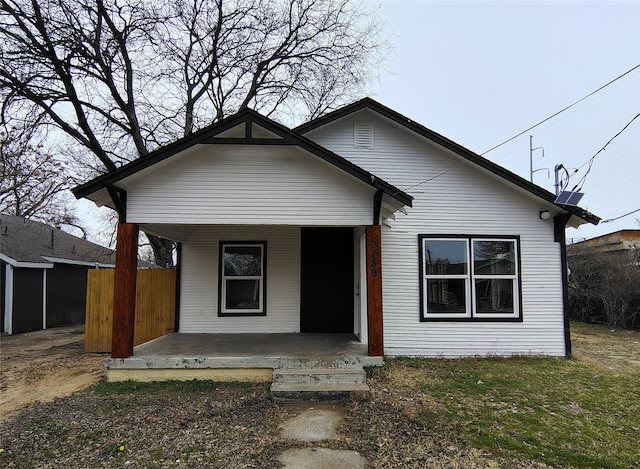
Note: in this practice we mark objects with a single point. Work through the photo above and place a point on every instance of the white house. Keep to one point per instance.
(361, 221)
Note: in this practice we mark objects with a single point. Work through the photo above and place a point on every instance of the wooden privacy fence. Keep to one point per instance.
(155, 307)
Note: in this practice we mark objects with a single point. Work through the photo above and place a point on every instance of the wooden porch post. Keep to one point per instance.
(124, 297)
(374, 290)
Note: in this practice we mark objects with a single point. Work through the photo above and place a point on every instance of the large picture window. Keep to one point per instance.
(242, 284)
(469, 278)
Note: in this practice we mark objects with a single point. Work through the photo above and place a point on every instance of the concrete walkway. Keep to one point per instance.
(316, 422)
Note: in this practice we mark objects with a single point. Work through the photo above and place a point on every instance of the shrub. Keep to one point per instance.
(604, 288)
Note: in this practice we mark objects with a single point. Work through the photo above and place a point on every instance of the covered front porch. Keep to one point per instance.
(270, 227)
(324, 280)
(240, 357)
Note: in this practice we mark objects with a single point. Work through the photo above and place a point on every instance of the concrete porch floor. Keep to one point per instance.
(237, 357)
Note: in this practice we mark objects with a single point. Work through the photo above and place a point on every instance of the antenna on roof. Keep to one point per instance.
(531, 150)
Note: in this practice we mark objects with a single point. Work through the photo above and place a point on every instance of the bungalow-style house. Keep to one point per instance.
(44, 274)
(361, 222)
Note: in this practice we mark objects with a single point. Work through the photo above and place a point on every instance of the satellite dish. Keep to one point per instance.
(569, 198)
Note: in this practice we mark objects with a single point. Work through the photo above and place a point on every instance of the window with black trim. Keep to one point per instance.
(469, 278)
(242, 278)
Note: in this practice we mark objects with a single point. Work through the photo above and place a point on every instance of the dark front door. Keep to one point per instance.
(326, 303)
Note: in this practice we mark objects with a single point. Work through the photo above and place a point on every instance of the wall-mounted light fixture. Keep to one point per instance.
(545, 214)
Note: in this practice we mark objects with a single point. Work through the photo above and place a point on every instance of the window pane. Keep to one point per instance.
(245, 261)
(445, 257)
(446, 296)
(494, 296)
(494, 257)
(242, 294)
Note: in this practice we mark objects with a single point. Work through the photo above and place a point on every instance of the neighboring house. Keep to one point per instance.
(361, 222)
(621, 241)
(44, 274)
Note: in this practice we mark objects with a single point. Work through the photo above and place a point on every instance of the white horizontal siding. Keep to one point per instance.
(247, 185)
(199, 280)
(460, 199)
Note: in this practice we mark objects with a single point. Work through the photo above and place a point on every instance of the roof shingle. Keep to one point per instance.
(30, 241)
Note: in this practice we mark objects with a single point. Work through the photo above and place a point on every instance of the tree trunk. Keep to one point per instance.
(162, 250)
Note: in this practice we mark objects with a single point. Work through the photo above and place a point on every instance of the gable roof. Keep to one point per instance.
(28, 243)
(245, 127)
(468, 155)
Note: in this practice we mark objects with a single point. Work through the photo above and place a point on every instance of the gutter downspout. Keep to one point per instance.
(559, 226)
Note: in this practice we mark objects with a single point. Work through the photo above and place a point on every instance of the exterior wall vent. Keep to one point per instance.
(363, 135)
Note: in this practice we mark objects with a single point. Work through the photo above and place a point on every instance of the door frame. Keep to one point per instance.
(356, 295)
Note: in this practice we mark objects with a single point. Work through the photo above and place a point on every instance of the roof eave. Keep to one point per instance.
(25, 264)
(368, 103)
(100, 182)
(83, 190)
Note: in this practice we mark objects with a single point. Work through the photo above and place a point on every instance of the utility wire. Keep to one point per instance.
(591, 160)
(527, 130)
(559, 112)
(437, 175)
(621, 216)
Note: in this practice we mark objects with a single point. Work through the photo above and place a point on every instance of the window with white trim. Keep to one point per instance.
(469, 278)
(242, 279)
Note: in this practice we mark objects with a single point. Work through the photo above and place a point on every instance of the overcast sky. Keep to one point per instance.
(481, 72)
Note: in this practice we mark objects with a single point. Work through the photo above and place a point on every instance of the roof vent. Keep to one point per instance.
(363, 135)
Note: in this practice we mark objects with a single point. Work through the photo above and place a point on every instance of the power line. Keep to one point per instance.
(621, 216)
(580, 182)
(437, 175)
(561, 111)
(591, 160)
(532, 127)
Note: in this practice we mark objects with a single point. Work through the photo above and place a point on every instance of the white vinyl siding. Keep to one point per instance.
(457, 199)
(247, 185)
(199, 280)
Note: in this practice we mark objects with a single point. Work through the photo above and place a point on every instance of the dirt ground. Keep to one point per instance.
(43, 365)
(606, 350)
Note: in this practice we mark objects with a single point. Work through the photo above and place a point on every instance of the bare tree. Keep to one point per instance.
(123, 77)
(603, 287)
(34, 181)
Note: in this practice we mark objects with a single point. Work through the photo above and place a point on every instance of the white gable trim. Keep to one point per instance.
(59, 260)
(29, 265)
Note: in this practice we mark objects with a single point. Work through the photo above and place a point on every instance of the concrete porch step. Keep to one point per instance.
(319, 376)
(315, 392)
(317, 384)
